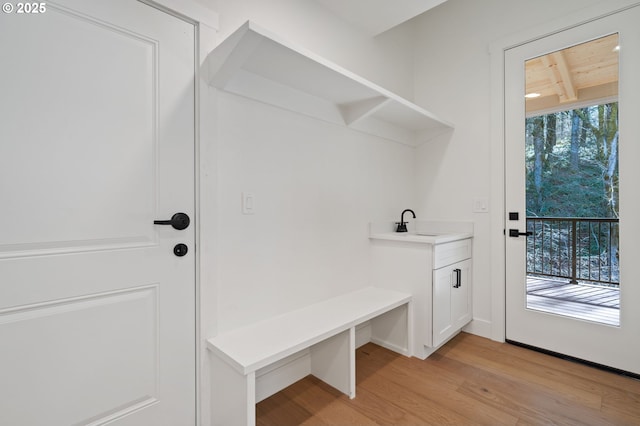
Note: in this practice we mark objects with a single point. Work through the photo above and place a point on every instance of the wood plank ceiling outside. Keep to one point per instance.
(576, 76)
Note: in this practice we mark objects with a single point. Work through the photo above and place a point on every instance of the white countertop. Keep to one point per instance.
(412, 237)
(425, 232)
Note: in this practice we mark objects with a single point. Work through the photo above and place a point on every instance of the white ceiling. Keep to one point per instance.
(377, 16)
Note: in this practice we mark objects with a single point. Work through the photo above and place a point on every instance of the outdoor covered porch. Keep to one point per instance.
(581, 301)
(573, 268)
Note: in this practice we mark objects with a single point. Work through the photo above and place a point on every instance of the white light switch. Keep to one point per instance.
(248, 203)
(481, 205)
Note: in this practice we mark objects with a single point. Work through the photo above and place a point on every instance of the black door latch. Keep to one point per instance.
(517, 233)
(179, 221)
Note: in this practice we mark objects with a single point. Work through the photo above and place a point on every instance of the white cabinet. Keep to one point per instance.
(437, 275)
(451, 289)
(451, 300)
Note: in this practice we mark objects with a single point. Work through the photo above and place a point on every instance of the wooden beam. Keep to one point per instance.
(560, 76)
(565, 76)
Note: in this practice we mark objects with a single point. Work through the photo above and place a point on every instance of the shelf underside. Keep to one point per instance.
(252, 64)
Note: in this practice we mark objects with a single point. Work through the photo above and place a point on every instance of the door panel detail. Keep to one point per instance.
(100, 351)
(99, 125)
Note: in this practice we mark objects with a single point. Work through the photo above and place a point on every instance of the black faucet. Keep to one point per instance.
(402, 225)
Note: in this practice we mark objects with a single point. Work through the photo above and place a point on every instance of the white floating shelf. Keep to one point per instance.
(258, 64)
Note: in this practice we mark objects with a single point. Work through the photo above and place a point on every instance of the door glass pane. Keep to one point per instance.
(571, 159)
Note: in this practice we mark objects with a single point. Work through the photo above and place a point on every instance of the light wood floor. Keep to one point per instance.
(469, 381)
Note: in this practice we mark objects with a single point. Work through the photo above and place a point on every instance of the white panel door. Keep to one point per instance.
(97, 314)
(613, 346)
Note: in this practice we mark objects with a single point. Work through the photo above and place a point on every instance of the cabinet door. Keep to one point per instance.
(451, 300)
(461, 295)
(443, 281)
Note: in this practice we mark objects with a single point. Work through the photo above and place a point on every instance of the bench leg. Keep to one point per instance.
(334, 361)
(233, 395)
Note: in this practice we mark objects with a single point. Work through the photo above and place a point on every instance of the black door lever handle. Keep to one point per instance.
(179, 221)
(517, 233)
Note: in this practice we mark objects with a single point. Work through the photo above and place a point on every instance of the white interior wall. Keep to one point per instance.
(386, 60)
(316, 185)
(453, 78)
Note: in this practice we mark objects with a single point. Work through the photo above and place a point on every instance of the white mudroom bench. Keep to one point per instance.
(319, 339)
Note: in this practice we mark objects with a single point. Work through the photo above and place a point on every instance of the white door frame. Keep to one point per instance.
(498, 221)
(206, 24)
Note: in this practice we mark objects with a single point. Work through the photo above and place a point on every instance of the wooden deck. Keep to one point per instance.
(580, 301)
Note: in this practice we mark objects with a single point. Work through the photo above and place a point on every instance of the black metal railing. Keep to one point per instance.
(578, 249)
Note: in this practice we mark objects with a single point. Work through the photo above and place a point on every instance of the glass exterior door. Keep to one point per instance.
(570, 141)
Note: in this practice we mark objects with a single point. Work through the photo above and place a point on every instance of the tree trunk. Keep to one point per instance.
(538, 149)
(610, 177)
(576, 127)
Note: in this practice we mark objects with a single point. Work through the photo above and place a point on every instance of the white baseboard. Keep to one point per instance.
(479, 327)
(363, 334)
(287, 371)
(390, 346)
(279, 375)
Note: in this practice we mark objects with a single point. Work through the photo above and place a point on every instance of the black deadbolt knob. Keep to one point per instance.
(180, 250)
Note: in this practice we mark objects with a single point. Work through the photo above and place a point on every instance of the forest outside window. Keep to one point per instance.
(571, 160)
